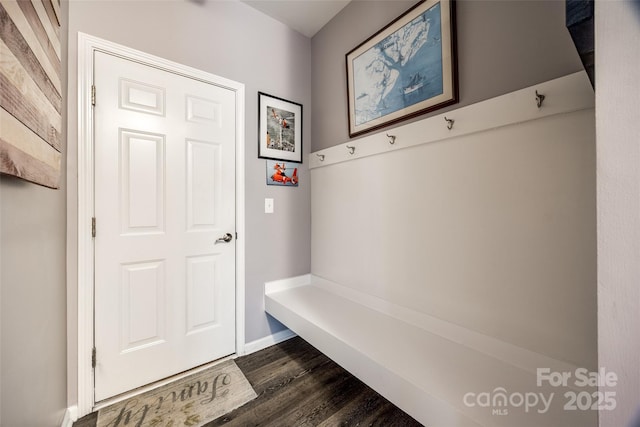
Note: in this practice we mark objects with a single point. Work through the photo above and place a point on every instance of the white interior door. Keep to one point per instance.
(164, 194)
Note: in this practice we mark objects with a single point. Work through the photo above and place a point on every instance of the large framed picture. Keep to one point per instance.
(406, 69)
(280, 129)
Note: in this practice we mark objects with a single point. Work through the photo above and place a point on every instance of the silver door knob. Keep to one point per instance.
(225, 239)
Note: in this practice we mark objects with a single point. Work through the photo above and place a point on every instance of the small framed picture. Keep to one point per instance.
(282, 173)
(279, 129)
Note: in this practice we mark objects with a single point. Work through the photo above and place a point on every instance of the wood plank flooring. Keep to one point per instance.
(299, 386)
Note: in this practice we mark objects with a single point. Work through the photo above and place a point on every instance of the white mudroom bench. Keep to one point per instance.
(434, 370)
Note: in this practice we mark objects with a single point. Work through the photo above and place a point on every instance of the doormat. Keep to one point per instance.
(192, 401)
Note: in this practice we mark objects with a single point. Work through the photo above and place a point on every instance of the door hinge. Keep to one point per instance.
(93, 358)
(93, 95)
(93, 227)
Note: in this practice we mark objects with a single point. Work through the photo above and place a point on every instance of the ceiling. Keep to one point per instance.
(305, 16)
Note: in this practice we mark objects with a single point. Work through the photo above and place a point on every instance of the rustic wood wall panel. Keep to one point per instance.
(30, 90)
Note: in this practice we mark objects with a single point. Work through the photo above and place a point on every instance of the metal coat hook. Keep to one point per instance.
(392, 139)
(449, 122)
(539, 99)
(321, 156)
(351, 149)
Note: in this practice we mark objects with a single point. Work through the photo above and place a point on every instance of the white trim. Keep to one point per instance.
(240, 220)
(70, 417)
(268, 341)
(280, 336)
(86, 46)
(562, 95)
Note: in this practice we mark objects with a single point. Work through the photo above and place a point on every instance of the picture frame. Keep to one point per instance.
(279, 129)
(283, 174)
(406, 69)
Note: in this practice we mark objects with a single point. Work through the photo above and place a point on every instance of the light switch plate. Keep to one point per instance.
(268, 205)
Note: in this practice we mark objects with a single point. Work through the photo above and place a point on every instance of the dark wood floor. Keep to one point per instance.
(299, 386)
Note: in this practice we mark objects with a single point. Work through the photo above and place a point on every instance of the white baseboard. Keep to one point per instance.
(70, 416)
(278, 337)
(268, 341)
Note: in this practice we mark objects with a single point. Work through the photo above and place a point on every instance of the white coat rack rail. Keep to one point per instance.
(562, 95)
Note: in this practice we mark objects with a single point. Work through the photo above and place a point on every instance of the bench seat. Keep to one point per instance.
(432, 370)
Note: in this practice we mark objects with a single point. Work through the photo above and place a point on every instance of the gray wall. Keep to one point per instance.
(33, 281)
(33, 304)
(618, 176)
(502, 46)
(232, 40)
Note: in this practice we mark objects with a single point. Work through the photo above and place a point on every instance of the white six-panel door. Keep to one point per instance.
(164, 196)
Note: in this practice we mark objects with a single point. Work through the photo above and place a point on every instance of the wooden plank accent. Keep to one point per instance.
(17, 45)
(48, 7)
(22, 98)
(31, 95)
(56, 9)
(50, 27)
(10, 101)
(16, 162)
(50, 47)
(30, 143)
(19, 21)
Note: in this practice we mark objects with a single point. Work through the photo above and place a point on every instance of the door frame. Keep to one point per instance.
(87, 45)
